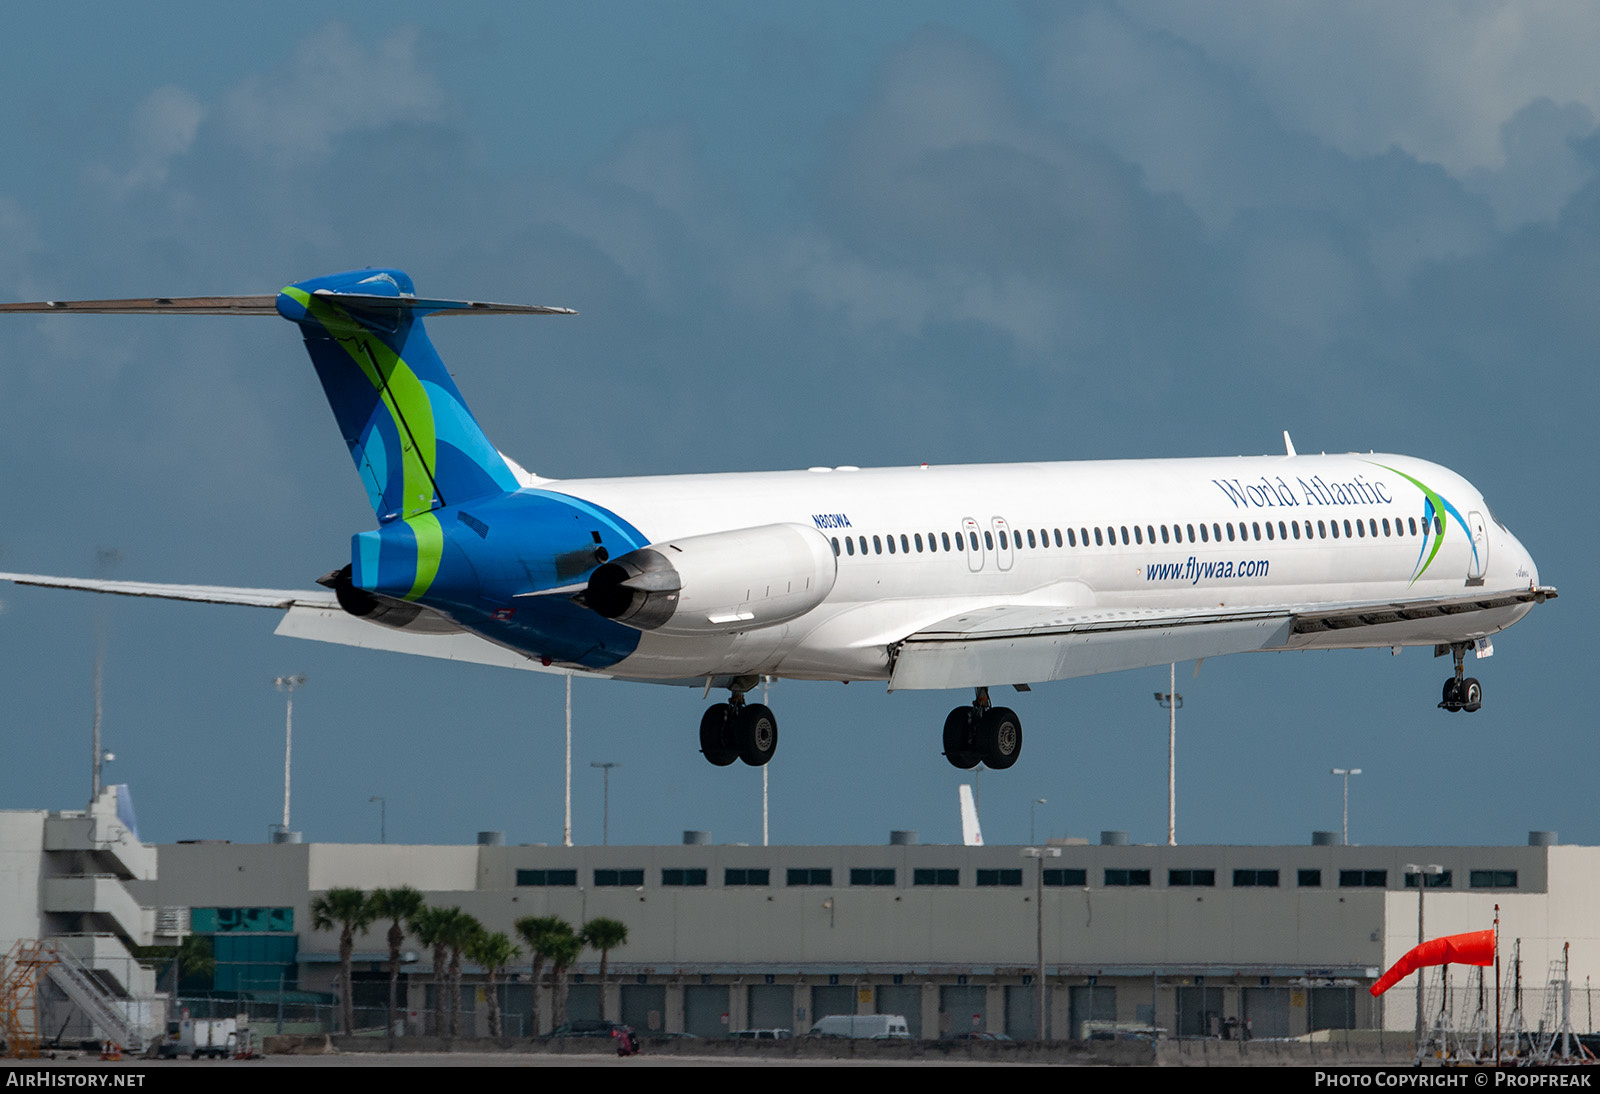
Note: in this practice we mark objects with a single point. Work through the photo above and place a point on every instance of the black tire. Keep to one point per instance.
(755, 729)
(958, 738)
(1451, 700)
(714, 735)
(1000, 738)
(1471, 695)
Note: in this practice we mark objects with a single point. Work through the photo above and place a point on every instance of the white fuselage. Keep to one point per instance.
(919, 545)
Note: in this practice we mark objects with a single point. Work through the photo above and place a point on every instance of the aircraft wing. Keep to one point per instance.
(1031, 644)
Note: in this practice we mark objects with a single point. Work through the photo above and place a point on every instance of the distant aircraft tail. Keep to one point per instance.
(414, 442)
(971, 834)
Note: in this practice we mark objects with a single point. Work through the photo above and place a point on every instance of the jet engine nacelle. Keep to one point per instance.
(385, 611)
(717, 584)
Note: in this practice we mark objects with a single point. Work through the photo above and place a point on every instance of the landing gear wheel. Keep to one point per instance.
(715, 734)
(1000, 738)
(755, 730)
(1451, 700)
(1470, 695)
(958, 747)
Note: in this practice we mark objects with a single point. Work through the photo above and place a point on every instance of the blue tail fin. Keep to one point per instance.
(414, 441)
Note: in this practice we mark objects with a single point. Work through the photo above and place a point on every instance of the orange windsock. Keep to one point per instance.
(1472, 948)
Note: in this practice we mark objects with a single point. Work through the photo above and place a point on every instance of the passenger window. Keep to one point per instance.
(1346, 529)
(1438, 525)
(1322, 530)
(891, 543)
(1016, 539)
(988, 540)
(1191, 533)
(1150, 532)
(973, 537)
(1072, 537)
(1124, 535)
(1283, 533)
(905, 544)
(1204, 538)
(1216, 532)
(918, 538)
(1229, 527)
(1083, 534)
(1031, 542)
(863, 544)
(1295, 525)
(1412, 521)
(1111, 535)
(1058, 535)
(1361, 530)
(1269, 530)
(1099, 541)
(1256, 528)
(1164, 534)
(1374, 526)
(849, 546)
(1138, 534)
(1386, 527)
(835, 546)
(877, 546)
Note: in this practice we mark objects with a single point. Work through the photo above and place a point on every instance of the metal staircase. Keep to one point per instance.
(108, 1013)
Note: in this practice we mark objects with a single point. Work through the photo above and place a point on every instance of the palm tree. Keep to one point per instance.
(399, 906)
(348, 911)
(431, 926)
(562, 949)
(604, 935)
(534, 930)
(460, 929)
(493, 952)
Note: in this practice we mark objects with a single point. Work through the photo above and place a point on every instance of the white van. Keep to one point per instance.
(875, 1026)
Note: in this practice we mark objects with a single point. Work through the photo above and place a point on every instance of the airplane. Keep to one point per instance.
(927, 577)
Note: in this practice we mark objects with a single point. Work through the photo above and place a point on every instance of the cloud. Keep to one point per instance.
(334, 86)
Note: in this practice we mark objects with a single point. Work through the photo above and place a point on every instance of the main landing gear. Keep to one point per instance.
(984, 734)
(737, 730)
(1461, 692)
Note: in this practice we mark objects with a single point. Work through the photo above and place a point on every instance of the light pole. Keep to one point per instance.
(1033, 815)
(383, 817)
(287, 685)
(605, 824)
(1040, 853)
(1422, 873)
(1170, 701)
(566, 824)
(1344, 827)
(104, 559)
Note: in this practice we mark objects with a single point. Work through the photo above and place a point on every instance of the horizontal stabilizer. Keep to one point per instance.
(281, 599)
(268, 305)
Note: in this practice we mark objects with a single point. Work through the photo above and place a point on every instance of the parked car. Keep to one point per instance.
(762, 1034)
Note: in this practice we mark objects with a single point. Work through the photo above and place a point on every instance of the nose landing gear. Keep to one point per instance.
(1461, 692)
(982, 733)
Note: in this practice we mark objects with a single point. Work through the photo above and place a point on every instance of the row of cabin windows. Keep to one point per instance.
(1368, 528)
(879, 876)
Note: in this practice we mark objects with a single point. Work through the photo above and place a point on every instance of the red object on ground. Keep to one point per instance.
(1472, 948)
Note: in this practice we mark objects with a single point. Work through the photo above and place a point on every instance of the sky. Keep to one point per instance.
(797, 234)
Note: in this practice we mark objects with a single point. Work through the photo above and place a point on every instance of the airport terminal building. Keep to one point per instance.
(1193, 941)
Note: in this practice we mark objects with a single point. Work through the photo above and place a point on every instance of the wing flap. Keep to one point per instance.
(1031, 645)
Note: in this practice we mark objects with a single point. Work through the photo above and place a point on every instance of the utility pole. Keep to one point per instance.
(1344, 827)
(605, 824)
(566, 824)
